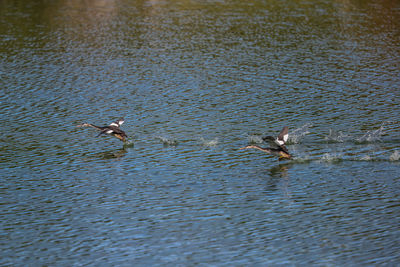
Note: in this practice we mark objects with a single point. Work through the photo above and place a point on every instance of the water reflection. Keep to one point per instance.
(280, 170)
(109, 154)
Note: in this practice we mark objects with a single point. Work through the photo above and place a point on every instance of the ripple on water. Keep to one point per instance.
(211, 77)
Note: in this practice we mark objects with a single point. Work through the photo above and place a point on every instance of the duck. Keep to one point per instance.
(113, 129)
(277, 144)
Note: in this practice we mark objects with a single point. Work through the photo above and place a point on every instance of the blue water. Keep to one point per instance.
(196, 81)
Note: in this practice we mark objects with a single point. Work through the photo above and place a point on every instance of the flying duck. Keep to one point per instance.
(277, 144)
(112, 129)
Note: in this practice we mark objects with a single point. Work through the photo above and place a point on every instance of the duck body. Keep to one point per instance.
(112, 129)
(277, 144)
(273, 151)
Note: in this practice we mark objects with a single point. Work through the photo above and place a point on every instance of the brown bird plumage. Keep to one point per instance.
(278, 147)
(112, 129)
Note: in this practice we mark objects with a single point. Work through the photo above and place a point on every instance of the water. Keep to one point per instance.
(195, 81)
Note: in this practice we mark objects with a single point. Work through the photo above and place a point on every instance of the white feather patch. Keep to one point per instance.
(285, 138)
(279, 142)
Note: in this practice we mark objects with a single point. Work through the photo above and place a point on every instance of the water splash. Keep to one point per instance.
(334, 136)
(167, 141)
(374, 135)
(395, 156)
(255, 139)
(128, 143)
(327, 157)
(371, 136)
(296, 135)
(366, 158)
(209, 143)
(302, 159)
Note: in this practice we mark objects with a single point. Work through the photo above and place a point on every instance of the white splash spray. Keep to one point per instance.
(366, 158)
(373, 135)
(128, 143)
(209, 143)
(395, 156)
(296, 135)
(255, 139)
(336, 136)
(328, 157)
(167, 141)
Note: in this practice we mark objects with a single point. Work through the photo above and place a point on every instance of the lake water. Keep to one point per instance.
(196, 81)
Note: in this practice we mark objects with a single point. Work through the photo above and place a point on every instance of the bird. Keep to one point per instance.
(112, 129)
(277, 144)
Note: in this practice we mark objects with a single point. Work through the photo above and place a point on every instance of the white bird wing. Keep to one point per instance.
(283, 136)
(117, 123)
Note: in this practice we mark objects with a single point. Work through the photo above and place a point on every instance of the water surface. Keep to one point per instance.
(195, 81)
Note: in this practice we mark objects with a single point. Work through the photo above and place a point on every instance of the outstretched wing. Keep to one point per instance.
(271, 141)
(118, 123)
(279, 142)
(112, 130)
(283, 136)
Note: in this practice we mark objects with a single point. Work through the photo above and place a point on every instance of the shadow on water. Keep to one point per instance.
(112, 154)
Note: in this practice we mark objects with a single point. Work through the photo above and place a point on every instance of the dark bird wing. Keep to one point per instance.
(112, 130)
(283, 147)
(116, 130)
(279, 142)
(271, 141)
